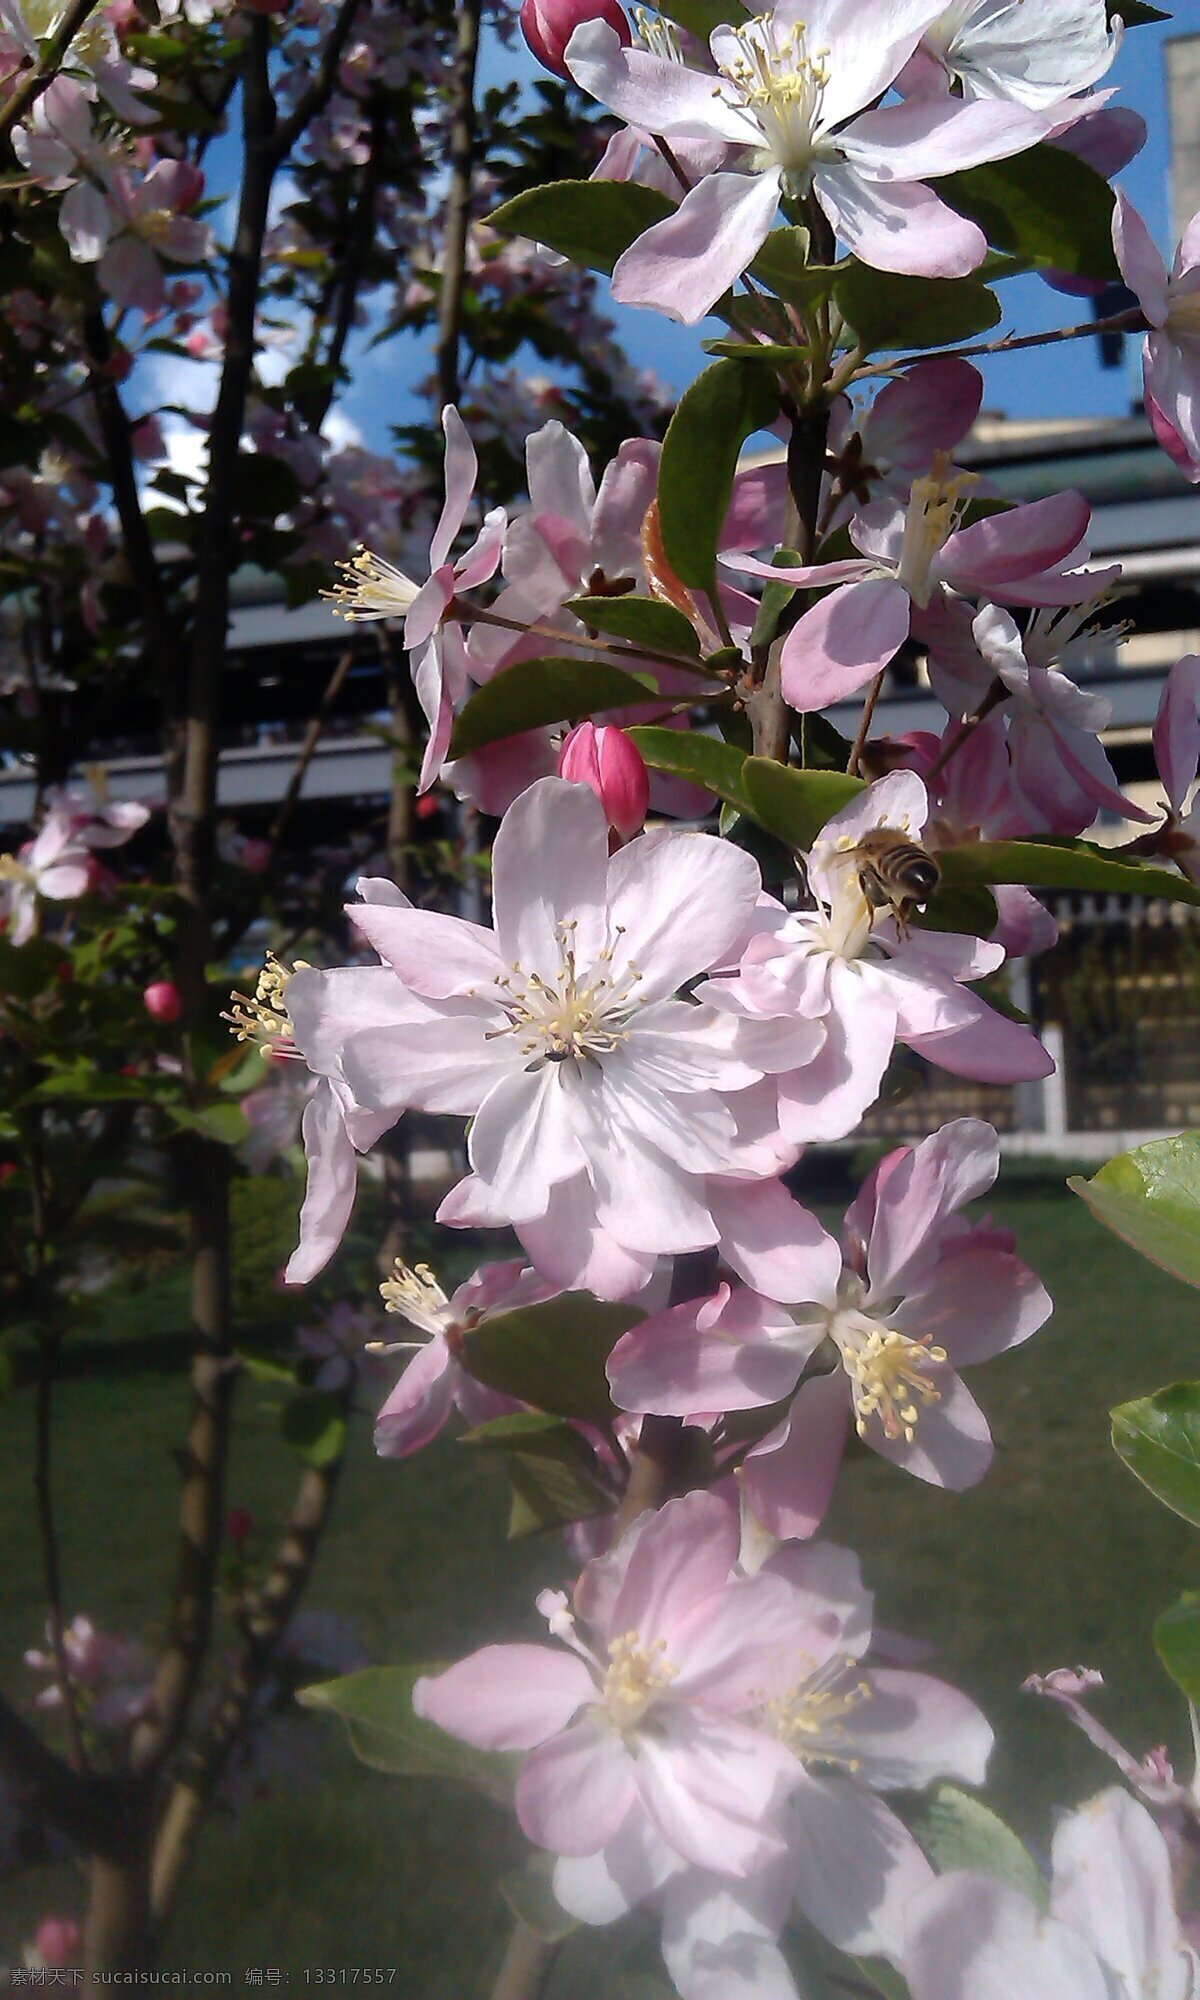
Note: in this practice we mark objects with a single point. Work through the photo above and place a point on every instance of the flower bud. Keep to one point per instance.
(612, 765)
(239, 1526)
(163, 1000)
(58, 1941)
(548, 25)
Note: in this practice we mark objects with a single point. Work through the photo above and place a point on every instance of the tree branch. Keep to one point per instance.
(458, 201)
(80, 1805)
(319, 92)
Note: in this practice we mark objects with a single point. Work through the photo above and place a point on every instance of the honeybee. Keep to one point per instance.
(895, 871)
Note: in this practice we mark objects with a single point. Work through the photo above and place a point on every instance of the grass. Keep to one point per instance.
(1058, 1558)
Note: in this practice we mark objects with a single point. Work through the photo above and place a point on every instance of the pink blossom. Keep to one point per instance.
(375, 588)
(1176, 752)
(54, 865)
(114, 1674)
(869, 983)
(789, 103)
(1113, 1932)
(548, 25)
(641, 1716)
(998, 49)
(435, 1380)
(926, 411)
(597, 1099)
(57, 1941)
(1171, 353)
(915, 1293)
(611, 764)
(914, 561)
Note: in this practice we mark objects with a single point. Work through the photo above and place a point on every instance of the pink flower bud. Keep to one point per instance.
(163, 1000)
(58, 1940)
(256, 855)
(612, 765)
(548, 25)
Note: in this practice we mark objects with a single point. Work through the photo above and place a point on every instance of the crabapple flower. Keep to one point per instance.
(114, 1676)
(435, 1380)
(58, 1941)
(374, 588)
(915, 1292)
(548, 25)
(1112, 1934)
(1171, 352)
(55, 865)
(789, 100)
(640, 1719)
(868, 982)
(1059, 769)
(1004, 49)
(1176, 752)
(612, 765)
(597, 1099)
(927, 410)
(914, 560)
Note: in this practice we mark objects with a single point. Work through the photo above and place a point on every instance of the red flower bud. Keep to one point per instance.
(163, 1001)
(239, 1526)
(548, 25)
(612, 765)
(58, 1940)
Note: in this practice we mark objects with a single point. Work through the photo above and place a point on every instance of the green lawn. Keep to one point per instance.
(1059, 1558)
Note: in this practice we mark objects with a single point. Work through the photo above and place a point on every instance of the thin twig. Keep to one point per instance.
(49, 63)
(1131, 320)
(458, 201)
(308, 749)
(865, 724)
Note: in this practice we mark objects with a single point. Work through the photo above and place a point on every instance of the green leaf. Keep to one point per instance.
(700, 17)
(376, 1707)
(553, 1354)
(314, 1425)
(534, 693)
(530, 1896)
(645, 620)
(883, 1977)
(1043, 204)
(1135, 13)
(958, 1831)
(782, 265)
(970, 911)
(700, 453)
(1151, 1198)
(687, 753)
(763, 351)
(893, 311)
(1158, 1438)
(591, 222)
(226, 1123)
(1177, 1643)
(794, 805)
(550, 1467)
(1046, 864)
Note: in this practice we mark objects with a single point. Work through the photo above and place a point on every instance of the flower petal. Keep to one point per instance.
(843, 642)
(506, 1697)
(682, 265)
(574, 1791)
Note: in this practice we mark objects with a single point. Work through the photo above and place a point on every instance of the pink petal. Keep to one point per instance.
(900, 226)
(571, 1249)
(649, 92)
(1140, 260)
(911, 1730)
(681, 1561)
(682, 265)
(989, 1049)
(773, 1243)
(332, 1186)
(575, 1791)
(506, 1697)
(826, 1099)
(973, 1935)
(931, 408)
(549, 869)
(1020, 543)
(434, 954)
(673, 1365)
(843, 642)
(976, 1302)
(679, 901)
(419, 1404)
(927, 136)
(709, 1786)
(952, 1445)
(953, 1166)
(857, 1867)
(461, 467)
(1112, 1882)
(1177, 730)
(523, 1139)
(789, 1476)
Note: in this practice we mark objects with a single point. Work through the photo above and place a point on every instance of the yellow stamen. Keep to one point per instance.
(637, 1675)
(373, 588)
